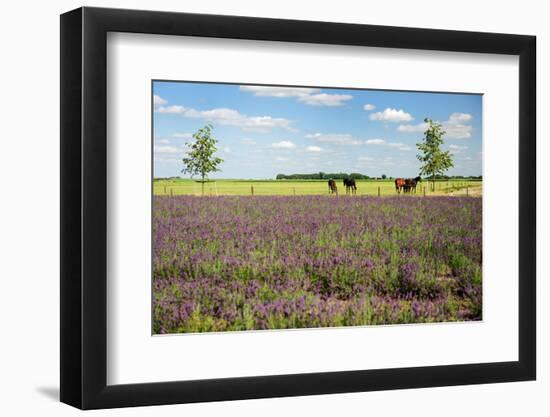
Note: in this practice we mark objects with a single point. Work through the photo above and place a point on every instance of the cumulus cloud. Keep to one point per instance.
(171, 109)
(337, 138)
(284, 144)
(167, 149)
(313, 149)
(309, 96)
(375, 141)
(182, 135)
(456, 127)
(322, 99)
(420, 127)
(229, 117)
(399, 145)
(268, 91)
(248, 141)
(391, 115)
(457, 150)
(460, 117)
(382, 142)
(158, 101)
(369, 107)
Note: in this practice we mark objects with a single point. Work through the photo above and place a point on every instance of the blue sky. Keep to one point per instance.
(263, 130)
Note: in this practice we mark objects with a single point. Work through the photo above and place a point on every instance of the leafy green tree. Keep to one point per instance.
(200, 158)
(384, 176)
(434, 160)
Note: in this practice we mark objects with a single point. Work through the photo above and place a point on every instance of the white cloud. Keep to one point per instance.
(322, 99)
(225, 116)
(281, 159)
(455, 127)
(313, 149)
(392, 115)
(457, 147)
(375, 142)
(420, 127)
(162, 141)
(158, 101)
(229, 117)
(338, 138)
(232, 117)
(248, 141)
(460, 117)
(227, 149)
(309, 96)
(268, 91)
(167, 149)
(366, 158)
(284, 144)
(398, 145)
(182, 135)
(171, 110)
(369, 107)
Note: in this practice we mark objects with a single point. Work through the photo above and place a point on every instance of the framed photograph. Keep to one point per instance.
(257, 208)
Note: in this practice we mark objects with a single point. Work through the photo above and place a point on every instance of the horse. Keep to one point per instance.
(350, 185)
(400, 184)
(332, 189)
(410, 184)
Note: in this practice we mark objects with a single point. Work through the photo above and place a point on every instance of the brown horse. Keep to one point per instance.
(350, 185)
(400, 184)
(332, 189)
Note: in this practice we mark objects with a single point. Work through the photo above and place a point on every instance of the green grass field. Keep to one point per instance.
(306, 187)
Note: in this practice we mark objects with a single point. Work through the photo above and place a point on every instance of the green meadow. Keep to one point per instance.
(307, 187)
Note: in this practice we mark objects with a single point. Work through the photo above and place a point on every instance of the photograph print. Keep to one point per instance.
(292, 207)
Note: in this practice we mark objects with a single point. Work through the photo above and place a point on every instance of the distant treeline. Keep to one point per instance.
(357, 176)
(322, 176)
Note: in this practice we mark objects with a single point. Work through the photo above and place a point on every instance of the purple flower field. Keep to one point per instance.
(277, 262)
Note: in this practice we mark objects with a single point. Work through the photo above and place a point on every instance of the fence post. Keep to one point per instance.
(467, 190)
(252, 189)
(424, 189)
(171, 192)
(378, 191)
(165, 189)
(294, 190)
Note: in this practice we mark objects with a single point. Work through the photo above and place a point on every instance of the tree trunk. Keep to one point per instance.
(202, 184)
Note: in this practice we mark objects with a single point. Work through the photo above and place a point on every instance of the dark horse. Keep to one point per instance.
(332, 189)
(349, 183)
(410, 184)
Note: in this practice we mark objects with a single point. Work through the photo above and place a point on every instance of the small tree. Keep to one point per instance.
(384, 176)
(200, 158)
(434, 160)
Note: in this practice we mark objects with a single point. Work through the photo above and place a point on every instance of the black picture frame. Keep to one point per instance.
(84, 207)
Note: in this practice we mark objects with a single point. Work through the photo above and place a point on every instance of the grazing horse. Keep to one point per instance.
(400, 184)
(350, 185)
(410, 184)
(332, 189)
